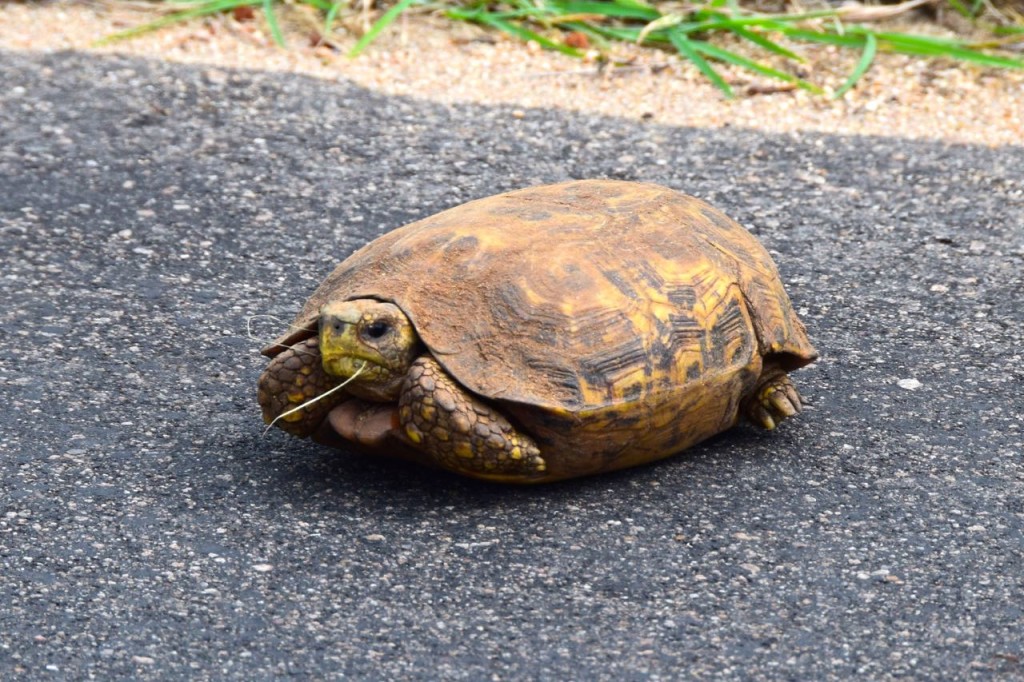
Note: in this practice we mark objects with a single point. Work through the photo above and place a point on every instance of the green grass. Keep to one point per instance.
(689, 35)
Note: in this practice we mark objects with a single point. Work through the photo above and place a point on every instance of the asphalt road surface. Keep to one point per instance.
(149, 529)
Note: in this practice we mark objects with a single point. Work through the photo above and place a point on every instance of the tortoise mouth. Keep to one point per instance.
(345, 366)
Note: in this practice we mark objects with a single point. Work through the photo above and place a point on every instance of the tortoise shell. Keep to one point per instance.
(616, 321)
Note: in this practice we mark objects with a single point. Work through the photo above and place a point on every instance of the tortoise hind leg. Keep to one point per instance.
(774, 400)
(459, 431)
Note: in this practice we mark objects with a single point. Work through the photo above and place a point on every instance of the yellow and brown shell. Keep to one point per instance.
(617, 322)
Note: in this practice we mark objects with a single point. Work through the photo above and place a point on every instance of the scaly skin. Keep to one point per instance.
(460, 432)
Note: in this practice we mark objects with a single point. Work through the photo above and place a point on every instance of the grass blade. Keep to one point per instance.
(766, 43)
(660, 24)
(201, 10)
(922, 46)
(331, 14)
(685, 46)
(322, 5)
(627, 35)
(526, 34)
(961, 9)
(774, 21)
(385, 20)
(275, 28)
(616, 10)
(941, 47)
(863, 64)
(845, 40)
(749, 64)
(636, 4)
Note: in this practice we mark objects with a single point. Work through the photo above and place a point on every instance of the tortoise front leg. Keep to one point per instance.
(294, 377)
(459, 431)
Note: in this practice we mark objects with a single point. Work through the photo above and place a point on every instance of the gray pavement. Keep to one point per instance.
(149, 531)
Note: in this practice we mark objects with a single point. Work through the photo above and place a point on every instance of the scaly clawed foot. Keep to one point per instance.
(774, 400)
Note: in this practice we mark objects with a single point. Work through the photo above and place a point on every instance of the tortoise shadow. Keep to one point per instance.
(305, 470)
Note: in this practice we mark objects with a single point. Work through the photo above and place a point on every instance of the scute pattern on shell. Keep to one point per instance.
(584, 299)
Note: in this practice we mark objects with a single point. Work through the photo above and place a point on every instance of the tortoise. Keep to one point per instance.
(542, 334)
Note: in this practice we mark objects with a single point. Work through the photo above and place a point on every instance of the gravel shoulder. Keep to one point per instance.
(425, 58)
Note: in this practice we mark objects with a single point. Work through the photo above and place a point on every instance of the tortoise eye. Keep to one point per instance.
(376, 329)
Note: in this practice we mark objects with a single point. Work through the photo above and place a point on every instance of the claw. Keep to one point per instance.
(794, 397)
(780, 402)
(761, 416)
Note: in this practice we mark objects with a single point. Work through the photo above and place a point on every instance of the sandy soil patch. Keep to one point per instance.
(433, 59)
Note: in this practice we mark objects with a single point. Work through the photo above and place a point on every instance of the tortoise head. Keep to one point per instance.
(372, 335)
